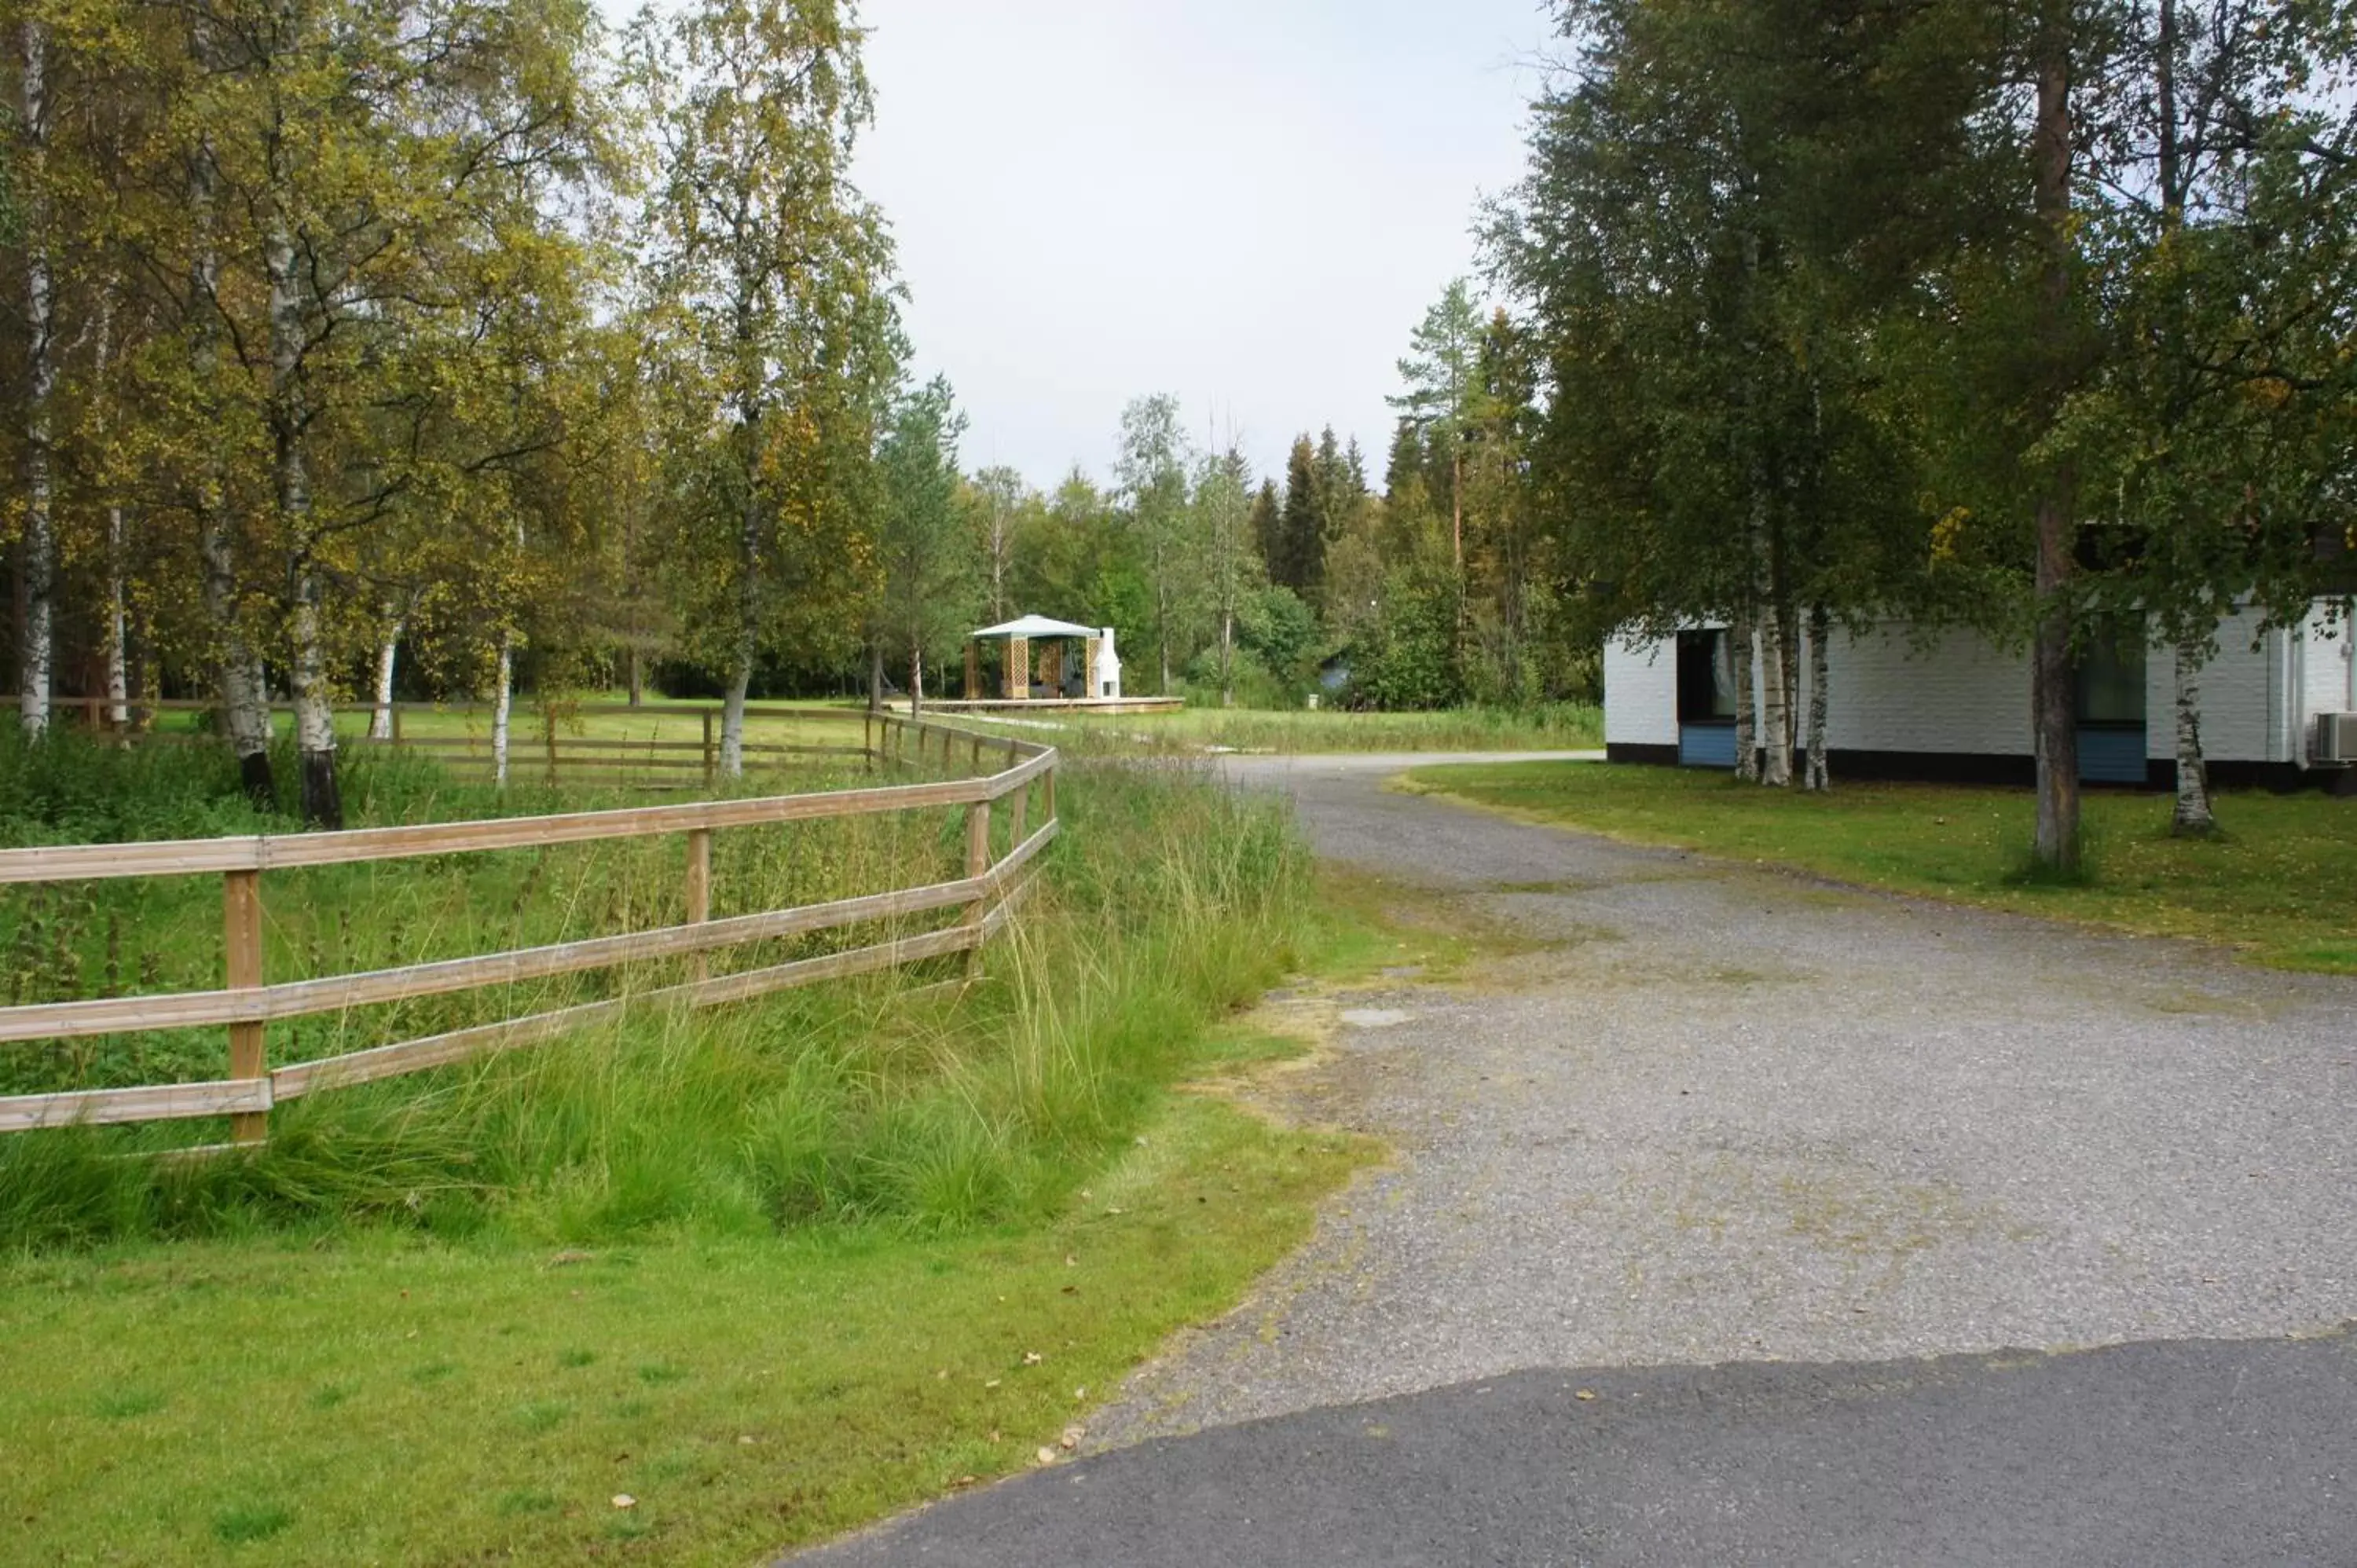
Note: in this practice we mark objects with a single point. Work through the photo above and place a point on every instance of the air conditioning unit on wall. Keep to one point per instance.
(2336, 740)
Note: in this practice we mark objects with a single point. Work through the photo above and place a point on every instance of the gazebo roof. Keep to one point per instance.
(1036, 627)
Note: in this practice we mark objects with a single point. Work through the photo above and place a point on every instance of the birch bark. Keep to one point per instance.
(2193, 817)
(502, 709)
(37, 560)
(118, 620)
(389, 651)
(315, 732)
(1820, 776)
(740, 675)
(1775, 707)
(1740, 651)
(238, 673)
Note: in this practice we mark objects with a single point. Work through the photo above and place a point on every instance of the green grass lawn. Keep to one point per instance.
(384, 1398)
(2275, 886)
(896, 1238)
(1562, 726)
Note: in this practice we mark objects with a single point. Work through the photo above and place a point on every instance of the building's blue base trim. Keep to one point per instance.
(1707, 745)
(2113, 756)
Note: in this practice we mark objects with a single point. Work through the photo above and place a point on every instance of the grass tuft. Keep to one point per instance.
(243, 1523)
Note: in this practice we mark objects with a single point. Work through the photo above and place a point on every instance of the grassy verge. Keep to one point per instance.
(455, 1316)
(391, 1398)
(1562, 726)
(2273, 885)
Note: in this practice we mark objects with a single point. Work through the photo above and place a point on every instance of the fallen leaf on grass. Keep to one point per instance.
(624, 1500)
(1046, 1456)
(1032, 1358)
(1072, 1436)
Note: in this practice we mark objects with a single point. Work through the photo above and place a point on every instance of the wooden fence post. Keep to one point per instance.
(977, 754)
(977, 861)
(396, 724)
(1048, 794)
(699, 887)
(249, 1056)
(867, 741)
(1018, 814)
(711, 764)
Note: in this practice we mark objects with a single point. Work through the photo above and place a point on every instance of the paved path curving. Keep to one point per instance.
(1749, 1149)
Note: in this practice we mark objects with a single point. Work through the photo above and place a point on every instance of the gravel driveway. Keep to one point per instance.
(1701, 1113)
(1729, 1115)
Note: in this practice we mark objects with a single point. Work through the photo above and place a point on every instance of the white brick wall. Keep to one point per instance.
(1641, 692)
(2242, 695)
(1957, 694)
(2329, 686)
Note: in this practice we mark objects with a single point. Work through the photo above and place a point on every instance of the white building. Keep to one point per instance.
(1955, 706)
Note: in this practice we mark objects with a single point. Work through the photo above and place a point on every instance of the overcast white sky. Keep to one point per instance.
(1248, 203)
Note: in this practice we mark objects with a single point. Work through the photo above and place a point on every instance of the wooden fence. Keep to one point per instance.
(247, 1003)
(537, 746)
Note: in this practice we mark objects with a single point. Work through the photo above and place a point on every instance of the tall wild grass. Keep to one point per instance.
(1167, 901)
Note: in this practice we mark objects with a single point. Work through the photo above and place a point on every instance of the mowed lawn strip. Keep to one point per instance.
(393, 1399)
(1556, 726)
(2275, 886)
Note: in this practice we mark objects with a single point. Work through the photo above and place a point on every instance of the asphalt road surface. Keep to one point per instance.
(1742, 1218)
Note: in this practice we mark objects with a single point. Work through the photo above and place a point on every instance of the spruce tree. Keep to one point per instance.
(1301, 557)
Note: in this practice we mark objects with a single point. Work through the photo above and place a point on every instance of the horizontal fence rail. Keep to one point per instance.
(988, 893)
(538, 741)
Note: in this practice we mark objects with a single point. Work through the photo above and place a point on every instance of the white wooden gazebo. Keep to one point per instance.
(1047, 675)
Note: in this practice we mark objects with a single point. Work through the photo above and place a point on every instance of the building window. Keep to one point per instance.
(1706, 678)
(2112, 681)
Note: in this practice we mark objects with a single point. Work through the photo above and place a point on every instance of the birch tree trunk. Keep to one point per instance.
(1788, 623)
(916, 679)
(237, 671)
(1161, 633)
(118, 626)
(315, 718)
(1227, 656)
(38, 563)
(315, 732)
(1820, 775)
(116, 635)
(748, 592)
(1775, 706)
(2193, 817)
(502, 709)
(381, 721)
(244, 696)
(1746, 745)
(732, 715)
